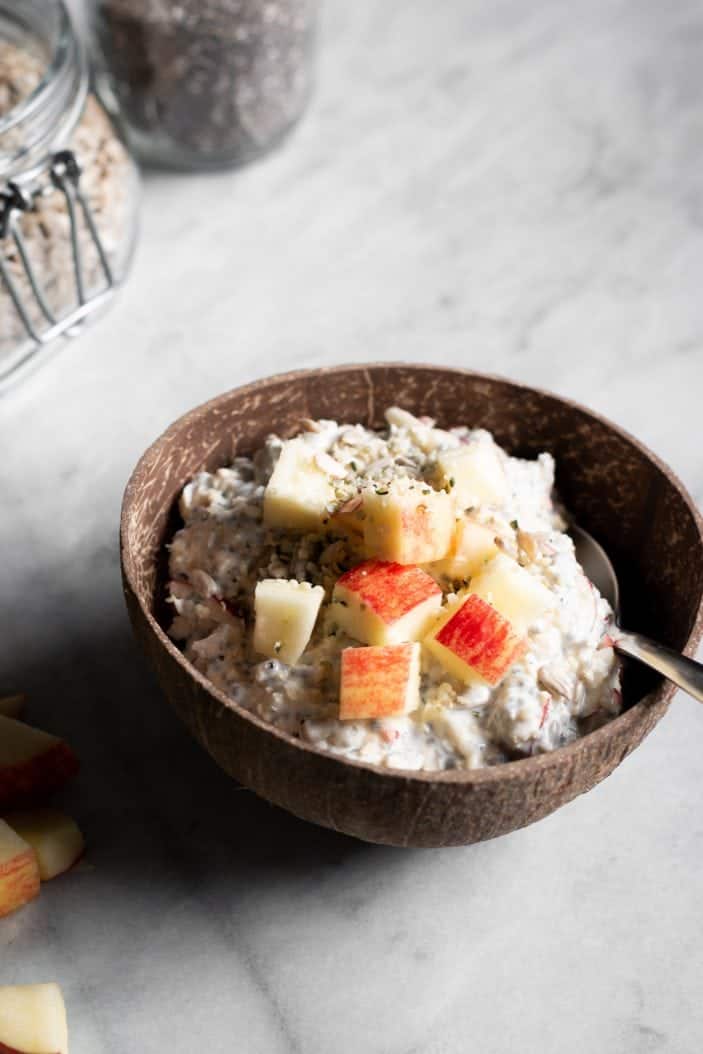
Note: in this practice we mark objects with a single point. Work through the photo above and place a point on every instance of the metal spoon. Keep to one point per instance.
(684, 672)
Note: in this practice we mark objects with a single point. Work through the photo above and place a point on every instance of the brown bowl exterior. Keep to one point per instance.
(616, 488)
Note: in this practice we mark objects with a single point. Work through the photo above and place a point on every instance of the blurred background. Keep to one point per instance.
(504, 186)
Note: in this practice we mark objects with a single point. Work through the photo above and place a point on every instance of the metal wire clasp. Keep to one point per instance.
(64, 175)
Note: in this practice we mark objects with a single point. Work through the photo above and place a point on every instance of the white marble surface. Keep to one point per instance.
(505, 185)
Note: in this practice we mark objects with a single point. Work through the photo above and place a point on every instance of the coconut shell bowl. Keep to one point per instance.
(614, 487)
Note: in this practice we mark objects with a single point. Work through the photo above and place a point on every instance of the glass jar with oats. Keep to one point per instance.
(68, 187)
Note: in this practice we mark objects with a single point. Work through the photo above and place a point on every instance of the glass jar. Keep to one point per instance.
(68, 186)
(206, 83)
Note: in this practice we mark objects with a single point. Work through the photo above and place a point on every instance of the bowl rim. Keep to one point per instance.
(520, 768)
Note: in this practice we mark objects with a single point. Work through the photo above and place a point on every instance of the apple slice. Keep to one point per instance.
(518, 595)
(473, 638)
(473, 546)
(19, 871)
(299, 490)
(31, 762)
(12, 705)
(33, 1020)
(385, 603)
(285, 613)
(408, 522)
(379, 682)
(474, 473)
(54, 837)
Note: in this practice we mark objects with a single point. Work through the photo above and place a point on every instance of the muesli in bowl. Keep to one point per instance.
(407, 597)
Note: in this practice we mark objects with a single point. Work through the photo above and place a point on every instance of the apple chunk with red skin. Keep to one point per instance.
(408, 522)
(55, 838)
(473, 639)
(19, 871)
(33, 1020)
(379, 681)
(379, 602)
(31, 763)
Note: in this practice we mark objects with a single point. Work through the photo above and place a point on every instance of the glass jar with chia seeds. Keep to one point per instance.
(206, 83)
(68, 186)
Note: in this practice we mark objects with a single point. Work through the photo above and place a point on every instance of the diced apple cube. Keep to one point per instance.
(474, 473)
(33, 1020)
(31, 762)
(379, 681)
(285, 613)
(19, 873)
(299, 490)
(408, 522)
(473, 546)
(54, 837)
(474, 639)
(513, 591)
(385, 603)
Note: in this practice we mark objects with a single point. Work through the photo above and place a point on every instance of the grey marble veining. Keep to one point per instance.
(509, 186)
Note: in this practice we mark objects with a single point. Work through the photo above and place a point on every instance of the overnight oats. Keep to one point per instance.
(407, 598)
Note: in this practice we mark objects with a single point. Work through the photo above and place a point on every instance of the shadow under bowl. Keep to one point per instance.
(616, 488)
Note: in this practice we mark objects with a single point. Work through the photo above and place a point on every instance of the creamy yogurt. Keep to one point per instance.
(564, 684)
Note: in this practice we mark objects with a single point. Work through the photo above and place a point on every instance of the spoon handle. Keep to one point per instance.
(684, 672)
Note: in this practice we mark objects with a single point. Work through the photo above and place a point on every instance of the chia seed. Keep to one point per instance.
(207, 82)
